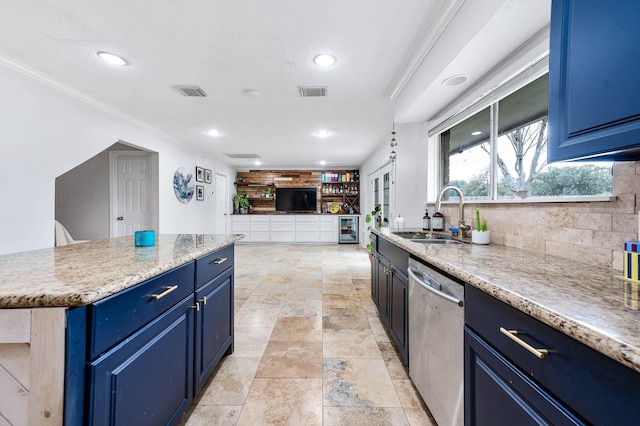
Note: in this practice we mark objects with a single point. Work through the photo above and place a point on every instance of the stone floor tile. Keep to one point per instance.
(231, 382)
(291, 360)
(417, 412)
(357, 383)
(294, 402)
(247, 317)
(379, 332)
(250, 341)
(219, 415)
(339, 319)
(369, 416)
(392, 360)
(297, 329)
(344, 301)
(349, 343)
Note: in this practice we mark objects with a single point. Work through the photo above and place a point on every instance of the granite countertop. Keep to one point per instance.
(592, 304)
(80, 274)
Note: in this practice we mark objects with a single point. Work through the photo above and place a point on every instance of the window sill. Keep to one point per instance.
(535, 200)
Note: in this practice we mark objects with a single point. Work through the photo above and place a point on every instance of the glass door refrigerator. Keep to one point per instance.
(349, 230)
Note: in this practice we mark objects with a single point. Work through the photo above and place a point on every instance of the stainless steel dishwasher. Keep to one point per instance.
(436, 321)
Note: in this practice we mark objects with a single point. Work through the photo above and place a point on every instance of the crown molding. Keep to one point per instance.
(446, 14)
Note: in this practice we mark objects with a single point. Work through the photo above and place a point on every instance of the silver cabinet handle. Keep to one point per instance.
(164, 293)
(218, 261)
(513, 335)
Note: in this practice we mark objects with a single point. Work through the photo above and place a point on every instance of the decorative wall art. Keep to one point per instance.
(199, 174)
(183, 185)
(207, 176)
(199, 192)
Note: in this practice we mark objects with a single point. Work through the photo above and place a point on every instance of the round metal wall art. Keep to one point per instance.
(183, 185)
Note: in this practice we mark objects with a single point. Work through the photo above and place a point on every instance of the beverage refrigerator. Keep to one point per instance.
(348, 229)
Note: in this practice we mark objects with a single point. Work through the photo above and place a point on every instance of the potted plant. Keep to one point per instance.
(267, 193)
(374, 216)
(244, 203)
(238, 202)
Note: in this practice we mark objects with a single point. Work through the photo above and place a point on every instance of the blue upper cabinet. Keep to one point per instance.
(594, 80)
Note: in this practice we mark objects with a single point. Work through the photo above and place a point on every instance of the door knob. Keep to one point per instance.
(120, 218)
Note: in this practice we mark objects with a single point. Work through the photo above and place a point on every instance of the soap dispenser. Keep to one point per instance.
(426, 221)
(437, 221)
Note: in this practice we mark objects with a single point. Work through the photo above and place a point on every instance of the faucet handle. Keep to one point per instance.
(463, 225)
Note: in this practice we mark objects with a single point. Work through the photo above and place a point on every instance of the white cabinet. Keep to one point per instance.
(283, 229)
(311, 228)
(260, 229)
(328, 229)
(307, 229)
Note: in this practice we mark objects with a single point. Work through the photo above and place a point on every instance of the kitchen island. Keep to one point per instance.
(591, 305)
(72, 316)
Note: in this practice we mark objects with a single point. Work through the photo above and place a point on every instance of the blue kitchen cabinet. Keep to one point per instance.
(389, 291)
(148, 378)
(594, 107)
(140, 356)
(214, 314)
(505, 383)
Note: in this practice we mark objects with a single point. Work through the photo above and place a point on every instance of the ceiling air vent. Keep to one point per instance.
(193, 91)
(308, 91)
(243, 155)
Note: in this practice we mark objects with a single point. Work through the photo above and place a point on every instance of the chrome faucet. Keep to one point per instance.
(461, 224)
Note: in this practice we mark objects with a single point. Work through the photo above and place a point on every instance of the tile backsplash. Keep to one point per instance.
(592, 232)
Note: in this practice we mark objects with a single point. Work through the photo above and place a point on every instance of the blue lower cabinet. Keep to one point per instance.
(214, 325)
(497, 393)
(148, 378)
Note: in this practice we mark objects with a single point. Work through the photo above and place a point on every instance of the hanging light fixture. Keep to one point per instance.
(393, 144)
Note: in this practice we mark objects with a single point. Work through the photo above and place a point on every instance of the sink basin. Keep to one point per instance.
(425, 238)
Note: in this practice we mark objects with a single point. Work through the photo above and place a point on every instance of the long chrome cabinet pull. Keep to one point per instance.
(218, 261)
(513, 335)
(164, 293)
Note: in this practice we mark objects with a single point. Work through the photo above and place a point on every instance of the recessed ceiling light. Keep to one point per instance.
(251, 93)
(213, 132)
(324, 60)
(112, 59)
(322, 133)
(476, 133)
(257, 162)
(455, 80)
(322, 162)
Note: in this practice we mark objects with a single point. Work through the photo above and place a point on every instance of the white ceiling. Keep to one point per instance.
(392, 57)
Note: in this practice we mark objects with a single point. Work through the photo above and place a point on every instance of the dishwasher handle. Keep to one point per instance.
(438, 292)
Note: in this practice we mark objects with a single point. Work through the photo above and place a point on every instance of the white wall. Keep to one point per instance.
(410, 172)
(46, 132)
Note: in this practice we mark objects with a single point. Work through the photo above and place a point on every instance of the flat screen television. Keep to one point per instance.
(296, 199)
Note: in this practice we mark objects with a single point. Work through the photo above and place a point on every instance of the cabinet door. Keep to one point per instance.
(383, 288)
(594, 109)
(374, 276)
(148, 378)
(398, 311)
(497, 393)
(214, 325)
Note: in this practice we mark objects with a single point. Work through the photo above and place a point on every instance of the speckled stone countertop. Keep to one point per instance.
(80, 274)
(594, 305)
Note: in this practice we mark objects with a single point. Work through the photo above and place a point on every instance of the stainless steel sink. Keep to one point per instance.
(426, 238)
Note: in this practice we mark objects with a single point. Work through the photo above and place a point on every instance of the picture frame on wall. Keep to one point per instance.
(199, 174)
(199, 192)
(207, 176)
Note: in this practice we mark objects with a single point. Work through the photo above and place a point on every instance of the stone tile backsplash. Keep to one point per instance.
(592, 232)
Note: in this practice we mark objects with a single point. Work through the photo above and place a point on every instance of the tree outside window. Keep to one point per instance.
(521, 152)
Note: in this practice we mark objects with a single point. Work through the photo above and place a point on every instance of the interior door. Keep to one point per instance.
(131, 193)
(222, 203)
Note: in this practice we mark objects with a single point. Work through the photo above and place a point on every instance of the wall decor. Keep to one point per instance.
(207, 176)
(199, 192)
(199, 174)
(183, 185)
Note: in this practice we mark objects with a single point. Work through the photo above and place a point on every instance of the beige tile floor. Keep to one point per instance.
(309, 347)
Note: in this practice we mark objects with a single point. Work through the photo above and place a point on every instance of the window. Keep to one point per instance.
(519, 138)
